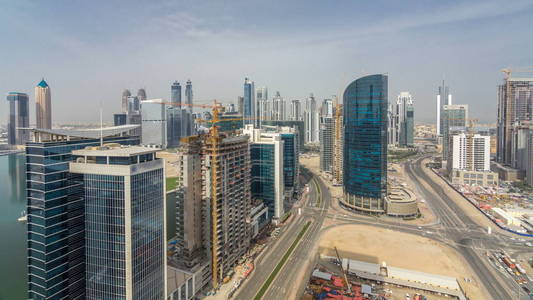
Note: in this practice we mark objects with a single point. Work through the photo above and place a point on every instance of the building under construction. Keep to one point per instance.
(226, 192)
(338, 145)
(214, 201)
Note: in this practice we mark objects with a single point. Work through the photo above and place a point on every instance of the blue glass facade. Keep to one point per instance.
(365, 143)
(19, 116)
(263, 175)
(249, 102)
(56, 219)
(290, 159)
(148, 235)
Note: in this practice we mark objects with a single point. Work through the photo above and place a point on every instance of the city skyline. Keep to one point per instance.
(444, 40)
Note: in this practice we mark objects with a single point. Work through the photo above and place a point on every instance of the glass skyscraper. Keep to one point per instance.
(124, 201)
(19, 116)
(365, 144)
(249, 102)
(56, 216)
(290, 159)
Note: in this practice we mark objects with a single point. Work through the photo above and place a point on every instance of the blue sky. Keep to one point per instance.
(89, 51)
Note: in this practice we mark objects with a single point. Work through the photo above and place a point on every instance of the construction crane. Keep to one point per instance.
(509, 71)
(348, 287)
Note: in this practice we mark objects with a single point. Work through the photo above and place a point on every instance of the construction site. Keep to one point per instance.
(376, 263)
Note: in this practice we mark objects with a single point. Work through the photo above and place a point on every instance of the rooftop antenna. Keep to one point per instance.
(101, 127)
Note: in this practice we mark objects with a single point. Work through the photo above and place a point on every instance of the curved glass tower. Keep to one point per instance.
(365, 144)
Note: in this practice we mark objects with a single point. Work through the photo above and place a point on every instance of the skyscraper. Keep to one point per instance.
(240, 104)
(311, 120)
(190, 226)
(43, 109)
(174, 116)
(249, 104)
(404, 115)
(296, 111)
(278, 108)
(443, 98)
(338, 145)
(175, 92)
(141, 94)
(19, 117)
(56, 213)
(454, 118)
(123, 192)
(365, 144)
(125, 94)
(154, 123)
(226, 165)
(327, 126)
(266, 157)
(515, 105)
(187, 123)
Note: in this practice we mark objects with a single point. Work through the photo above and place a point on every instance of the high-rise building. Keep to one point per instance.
(154, 123)
(175, 92)
(125, 94)
(240, 104)
(405, 121)
(365, 144)
(515, 105)
(296, 111)
(454, 117)
(174, 116)
(298, 126)
(291, 164)
(227, 195)
(19, 117)
(43, 109)
(249, 103)
(469, 152)
(278, 108)
(123, 192)
(187, 116)
(190, 225)
(327, 128)
(443, 98)
(311, 120)
(134, 105)
(266, 157)
(469, 159)
(327, 131)
(262, 93)
(338, 145)
(141, 94)
(56, 210)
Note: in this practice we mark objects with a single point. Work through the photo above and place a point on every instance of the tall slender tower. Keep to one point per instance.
(43, 101)
(188, 122)
(443, 98)
(175, 92)
(125, 94)
(249, 102)
(141, 94)
(19, 117)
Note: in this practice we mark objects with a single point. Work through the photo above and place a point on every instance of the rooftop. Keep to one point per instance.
(43, 84)
(114, 150)
(92, 133)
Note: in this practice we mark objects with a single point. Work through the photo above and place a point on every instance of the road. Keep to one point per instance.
(454, 228)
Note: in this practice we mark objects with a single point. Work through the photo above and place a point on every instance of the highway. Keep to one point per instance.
(465, 235)
(454, 228)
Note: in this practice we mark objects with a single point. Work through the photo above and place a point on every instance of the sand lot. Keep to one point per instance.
(376, 245)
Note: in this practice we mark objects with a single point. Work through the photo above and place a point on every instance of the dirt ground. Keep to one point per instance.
(170, 160)
(377, 245)
(466, 206)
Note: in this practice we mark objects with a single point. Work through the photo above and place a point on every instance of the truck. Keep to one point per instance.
(508, 262)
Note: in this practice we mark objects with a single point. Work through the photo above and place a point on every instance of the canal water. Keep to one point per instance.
(12, 233)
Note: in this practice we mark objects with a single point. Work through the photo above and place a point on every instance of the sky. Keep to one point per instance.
(89, 51)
